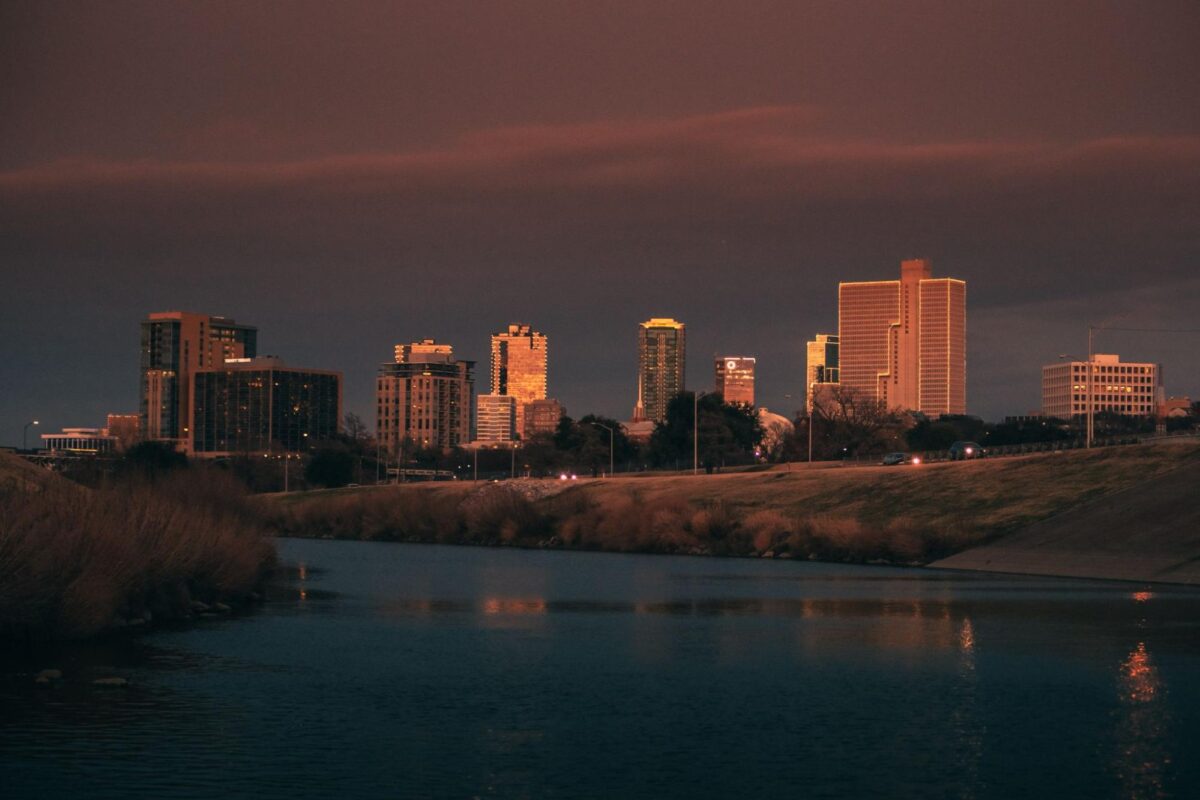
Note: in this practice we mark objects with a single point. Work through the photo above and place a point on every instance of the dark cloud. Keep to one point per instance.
(352, 179)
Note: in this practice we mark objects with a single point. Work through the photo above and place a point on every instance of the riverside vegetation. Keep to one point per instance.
(902, 515)
(76, 561)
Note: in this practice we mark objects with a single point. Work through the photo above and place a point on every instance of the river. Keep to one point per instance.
(388, 670)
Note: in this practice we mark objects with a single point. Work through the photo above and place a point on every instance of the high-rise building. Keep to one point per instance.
(904, 342)
(822, 365)
(424, 397)
(542, 416)
(519, 367)
(662, 356)
(1129, 389)
(735, 379)
(496, 418)
(261, 405)
(175, 344)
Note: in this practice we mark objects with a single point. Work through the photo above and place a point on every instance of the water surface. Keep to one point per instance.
(385, 670)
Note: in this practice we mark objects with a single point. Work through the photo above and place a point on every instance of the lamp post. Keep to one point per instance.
(812, 409)
(696, 431)
(1088, 432)
(25, 434)
(515, 446)
(610, 445)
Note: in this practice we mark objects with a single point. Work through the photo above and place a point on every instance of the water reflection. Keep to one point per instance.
(1142, 734)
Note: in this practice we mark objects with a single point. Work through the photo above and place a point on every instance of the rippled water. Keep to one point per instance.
(386, 670)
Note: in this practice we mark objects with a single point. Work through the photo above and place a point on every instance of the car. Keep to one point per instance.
(897, 459)
(960, 451)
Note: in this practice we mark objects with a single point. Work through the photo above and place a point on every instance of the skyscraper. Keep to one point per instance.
(904, 342)
(175, 344)
(735, 379)
(662, 354)
(822, 365)
(425, 397)
(519, 367)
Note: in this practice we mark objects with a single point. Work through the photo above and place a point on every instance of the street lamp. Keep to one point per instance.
(25, 434)
(610, 444)
(1088, 395)
(515, 446)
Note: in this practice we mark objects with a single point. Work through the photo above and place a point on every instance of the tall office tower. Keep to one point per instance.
(519, 367)
(425, 397)
(175, 344)
(822, 366)
(662, 355)
(735, 379)
(904, 342)
(261, 405)
(1129, 389)
(496, 416)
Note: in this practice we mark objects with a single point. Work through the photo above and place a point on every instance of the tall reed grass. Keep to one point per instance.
(75, 561)
(620, 522)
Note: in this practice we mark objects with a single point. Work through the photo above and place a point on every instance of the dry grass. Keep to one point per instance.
(73, 561)
(909, 515)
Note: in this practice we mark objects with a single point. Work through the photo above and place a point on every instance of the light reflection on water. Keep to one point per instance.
(385, 670)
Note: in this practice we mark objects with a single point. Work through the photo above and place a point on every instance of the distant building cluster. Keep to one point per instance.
(900, 343)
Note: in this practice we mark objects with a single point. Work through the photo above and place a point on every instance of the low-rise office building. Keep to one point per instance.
(80, 441)
(261, 405)
(542, 416)
(495, 418)
(1127, 388)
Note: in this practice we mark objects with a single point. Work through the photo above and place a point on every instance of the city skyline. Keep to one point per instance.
(337, 199)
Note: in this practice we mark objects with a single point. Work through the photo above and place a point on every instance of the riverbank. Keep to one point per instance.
(910, 515)
(75, 562)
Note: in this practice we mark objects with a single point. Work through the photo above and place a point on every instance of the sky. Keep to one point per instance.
(350, 175)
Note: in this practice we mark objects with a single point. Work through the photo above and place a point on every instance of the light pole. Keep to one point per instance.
(1091, 420)
(610, 445)
(515, 446)
(475, 476)
(812, 416)
(696, 431)
(25, 434)
(1088, 389)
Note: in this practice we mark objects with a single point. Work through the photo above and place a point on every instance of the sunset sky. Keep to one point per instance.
(348, 176)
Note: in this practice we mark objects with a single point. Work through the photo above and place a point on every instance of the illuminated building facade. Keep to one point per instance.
(496, 418)
(519, 367)
(542, 416)
(821, 366)
(424, 398)
(735, 379)
(1129, 389)
(175, 345)
(261, 405)
(904, 342)
(80, 442)
(662, 355)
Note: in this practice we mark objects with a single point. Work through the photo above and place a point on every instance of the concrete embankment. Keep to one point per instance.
(1149, 532)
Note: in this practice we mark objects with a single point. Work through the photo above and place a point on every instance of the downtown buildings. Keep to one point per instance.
(204, 390)
(903, 343)
(424, 398)
(519, 367)
(662, 356)
(734, 379)
(175, 345)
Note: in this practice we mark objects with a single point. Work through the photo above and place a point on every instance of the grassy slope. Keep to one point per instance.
(988, 497)
(899, 513)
